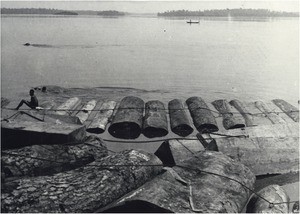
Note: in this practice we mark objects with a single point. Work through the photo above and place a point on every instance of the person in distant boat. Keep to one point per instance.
(33, 103)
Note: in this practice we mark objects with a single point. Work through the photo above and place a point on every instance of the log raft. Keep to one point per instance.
(84, 113)
(179, 121)
(101, 119)
(155, 120)
(190, 187)
(264, 108)
(230, 120)
(68, 106)
(244, 112)
(202, 116)
(287, 108)
(128, 121)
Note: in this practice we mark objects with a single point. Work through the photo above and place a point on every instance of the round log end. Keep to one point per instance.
(125, 130)
(183, 130)
(207, 128)
(151, 132)
(95, 130)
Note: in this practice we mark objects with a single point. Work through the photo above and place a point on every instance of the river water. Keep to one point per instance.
(247, 59)
(220, 57)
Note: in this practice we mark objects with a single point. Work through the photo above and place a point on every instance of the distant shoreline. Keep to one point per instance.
(174, 13)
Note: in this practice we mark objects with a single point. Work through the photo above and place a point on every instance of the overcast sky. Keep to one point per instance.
(154, 6)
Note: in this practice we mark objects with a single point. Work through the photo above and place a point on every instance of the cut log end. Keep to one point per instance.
(152, 132)
(207, 128)
(183, 130)
(125, 130)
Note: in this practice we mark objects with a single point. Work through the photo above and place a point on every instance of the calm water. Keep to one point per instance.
(252, 59)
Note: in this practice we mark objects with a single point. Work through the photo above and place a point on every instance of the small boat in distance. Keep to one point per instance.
(192, 22)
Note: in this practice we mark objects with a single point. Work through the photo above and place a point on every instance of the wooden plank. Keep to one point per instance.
(101, 119)
(264, 108)
(188, 188)
(86, 111)
(82, 190)
(273, 194)
(155, 122)
(244, 112)
(263, 155)
(202, 116)
(179, 121)
(128, 121)
(67, 107)
(287, 108)
(230, 120)
(18, 133)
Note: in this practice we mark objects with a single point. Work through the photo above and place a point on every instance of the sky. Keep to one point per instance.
(154, 6)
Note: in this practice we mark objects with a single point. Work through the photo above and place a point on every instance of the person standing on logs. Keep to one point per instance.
(33, 101)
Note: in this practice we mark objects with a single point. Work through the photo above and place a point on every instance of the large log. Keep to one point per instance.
(230, 120)
(272, 193)
(173, 152)
(69, 106)
(49, 104)
(287, 108)
(84, 113)
(38, 160)
(264, 108)
(128, 120)
(280, 130)
(203, 119)
(208, 182)
(85, 189)
(155, 119)
(19, 133)
(98, 125)
(244, 112)
(263, 155)
(179, 121)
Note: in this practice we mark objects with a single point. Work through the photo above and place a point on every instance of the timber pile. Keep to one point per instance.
(198, 184)
(84, 189)
(275, 148)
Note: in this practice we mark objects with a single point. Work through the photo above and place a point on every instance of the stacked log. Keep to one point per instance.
(69, 106)
(273, 194)
(208, 182)
(230, 120)
(85, 189)
(128, 121)
(155, 120)
(84, 113)
(264, 108)
(38, 160)
(179, 121)
(103, 116)
(269, 145)
(18, 133)
(203, 119)
(244, 112)
(287, 108)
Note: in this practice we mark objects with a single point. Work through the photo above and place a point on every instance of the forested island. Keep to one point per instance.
(46, 11)
(111, 13)
(230, 12)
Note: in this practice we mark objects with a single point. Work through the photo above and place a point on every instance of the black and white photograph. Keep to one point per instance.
(150, 106)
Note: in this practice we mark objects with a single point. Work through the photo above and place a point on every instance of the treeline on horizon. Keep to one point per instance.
(230, 12)
(46, 11)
